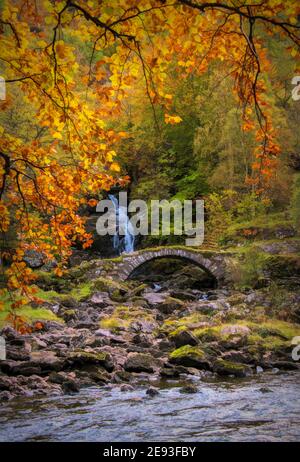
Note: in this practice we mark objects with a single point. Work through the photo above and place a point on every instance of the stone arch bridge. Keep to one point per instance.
(213, 262)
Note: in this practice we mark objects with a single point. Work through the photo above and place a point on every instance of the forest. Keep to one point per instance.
(176, 100)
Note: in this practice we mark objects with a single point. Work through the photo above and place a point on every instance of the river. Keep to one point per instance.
(262, 408)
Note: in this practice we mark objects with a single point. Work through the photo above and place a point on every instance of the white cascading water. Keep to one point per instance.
(123, 240)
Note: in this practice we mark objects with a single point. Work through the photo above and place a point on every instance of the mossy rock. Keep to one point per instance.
(82, 357)
(170, 304)
(68, 301)
(236, 299)
(182, 337)
(139, 301)
(226, 368)
(69, 315)
(190, 356)
(116, 290)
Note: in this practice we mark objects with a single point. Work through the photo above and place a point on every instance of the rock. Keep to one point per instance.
(236, 356)
(151, 391)
(70, 386)
(139, 362)
(5, 383)
(57, 377)
(5, 396)
(190, 357)
(206, 308)
(189, 389)
(236, 299)
(33, 258)
(183, 294)
(126, 387)
(170, 304)
(169, 372)
(285, 365)
(12, 337)
(108, 335)
(16, 353)
(99, 375)
(165, 345)
(121, 376)
(142, 340)
(183, 337)
(154, 298)
(143, 326)
(46, 360)
(37, 344)
(18, 368)
(227, 368)
(83, 357)
(100, 299)
(235, 329)
(259, 370)
(265, 390)
(69, 315)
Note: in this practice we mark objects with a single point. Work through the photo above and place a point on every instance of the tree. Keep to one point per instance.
(76, 63)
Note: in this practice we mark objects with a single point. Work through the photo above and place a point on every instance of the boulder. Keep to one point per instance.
(189, 389)
(5, 383)
(70, 386)
(169, 305)
(33, 258)
(235, 329)
(84, 357)
(226, 368)
(183, 337)
(139, 362)
(151, 391)
(154, 298)
(190, 357)
(18, 353)
(169, 373)
(100, 299)
(46, 360)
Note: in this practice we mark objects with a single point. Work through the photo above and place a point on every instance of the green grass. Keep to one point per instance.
(30, 314)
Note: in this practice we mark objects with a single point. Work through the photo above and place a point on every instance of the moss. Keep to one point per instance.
(223, 367)
(205, 252)
(89, 356)
(275, 327)
(123, 316)
(187, 350)
(108, 285)
(177, 331)
(268, 343)
(113, 324)
(186, 322)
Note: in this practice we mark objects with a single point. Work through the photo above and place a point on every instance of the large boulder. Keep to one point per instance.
(226, 368)
(139, 362)
(83, 357)
(183, 337)
(170, 304)
(189, 356)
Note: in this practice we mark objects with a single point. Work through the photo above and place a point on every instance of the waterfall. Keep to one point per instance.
(125, 241)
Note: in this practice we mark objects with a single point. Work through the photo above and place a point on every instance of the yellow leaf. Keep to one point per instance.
(115, 167)
(172, 119)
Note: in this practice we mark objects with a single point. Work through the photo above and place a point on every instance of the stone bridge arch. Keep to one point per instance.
(212, 262)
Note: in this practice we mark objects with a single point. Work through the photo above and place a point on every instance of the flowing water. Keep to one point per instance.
(263, 408)
(123, 240)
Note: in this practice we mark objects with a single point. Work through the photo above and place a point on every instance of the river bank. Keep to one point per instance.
(177, 326)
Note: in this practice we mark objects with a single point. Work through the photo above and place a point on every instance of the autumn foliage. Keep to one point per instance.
(75, 64)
